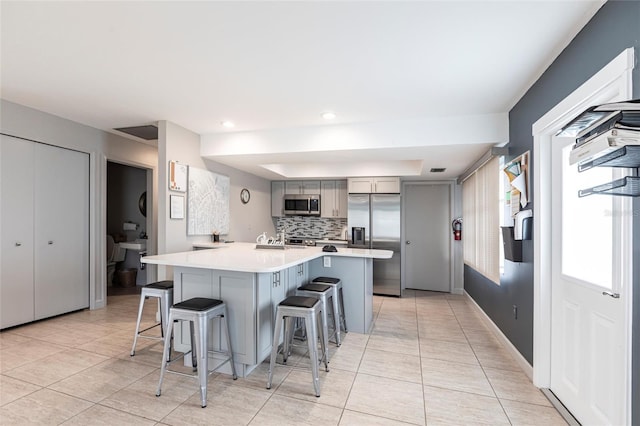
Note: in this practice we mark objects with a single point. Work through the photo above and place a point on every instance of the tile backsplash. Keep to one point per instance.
(311, 227)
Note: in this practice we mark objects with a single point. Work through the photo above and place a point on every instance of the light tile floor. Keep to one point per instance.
(429, 360)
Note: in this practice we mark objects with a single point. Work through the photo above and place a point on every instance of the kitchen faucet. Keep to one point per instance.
(283, 234)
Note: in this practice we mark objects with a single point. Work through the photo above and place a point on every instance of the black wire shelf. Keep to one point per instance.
(626, 156)
(628, 186)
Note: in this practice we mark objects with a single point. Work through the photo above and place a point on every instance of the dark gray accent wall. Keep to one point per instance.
(635, 357)
(614, 28)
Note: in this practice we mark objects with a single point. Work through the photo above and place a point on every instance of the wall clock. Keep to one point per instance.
(245, 196)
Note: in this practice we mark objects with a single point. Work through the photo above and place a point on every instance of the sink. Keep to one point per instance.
(138, 245)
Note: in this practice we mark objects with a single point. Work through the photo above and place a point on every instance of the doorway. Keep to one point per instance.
(587, 333)
(561, 290)
(427, 246)
(127, 213)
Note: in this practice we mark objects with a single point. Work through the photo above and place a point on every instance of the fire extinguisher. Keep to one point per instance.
(456, 225)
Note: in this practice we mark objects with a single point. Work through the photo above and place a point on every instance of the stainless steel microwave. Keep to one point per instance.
(302, 204)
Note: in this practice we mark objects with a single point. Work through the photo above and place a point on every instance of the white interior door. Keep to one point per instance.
(427, 248)
(61, 226)
(16, 231)
(588, 341)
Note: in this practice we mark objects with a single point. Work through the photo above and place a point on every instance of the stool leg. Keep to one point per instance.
(312, 340)
(165, 356)
(230, 350)
(324, 347)
(325, 322)
(336, 316)
(274, 348)
(200, 331)
(165, 305)
(194, 352)
(342, 315)
(286, 340)
(135, 336)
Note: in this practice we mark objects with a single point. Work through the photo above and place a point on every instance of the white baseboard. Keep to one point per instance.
(520, 360)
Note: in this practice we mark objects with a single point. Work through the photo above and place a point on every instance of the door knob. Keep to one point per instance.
(18, 243)
(614, 295)
(408, 242)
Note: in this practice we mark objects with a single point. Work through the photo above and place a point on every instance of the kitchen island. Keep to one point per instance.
(253, 281)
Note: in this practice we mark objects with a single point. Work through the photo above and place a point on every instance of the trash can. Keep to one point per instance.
(127, 277)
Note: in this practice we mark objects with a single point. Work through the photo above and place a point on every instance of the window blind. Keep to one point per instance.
(480, 201)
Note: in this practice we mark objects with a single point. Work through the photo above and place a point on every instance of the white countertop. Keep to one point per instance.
(211, 245)
(244, 257)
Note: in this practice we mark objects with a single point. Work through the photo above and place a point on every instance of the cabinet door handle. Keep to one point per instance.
(609, 293)
(18, 243)
(50, 242)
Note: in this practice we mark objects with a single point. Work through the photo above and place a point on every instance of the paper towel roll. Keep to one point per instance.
(129, 226)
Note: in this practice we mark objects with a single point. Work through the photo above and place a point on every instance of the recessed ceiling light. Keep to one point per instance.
(228, 124)
(328, 115)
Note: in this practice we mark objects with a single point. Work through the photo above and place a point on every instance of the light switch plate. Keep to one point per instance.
(327, 262)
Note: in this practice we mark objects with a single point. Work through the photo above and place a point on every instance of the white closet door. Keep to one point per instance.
(61, 231)
(16, 231)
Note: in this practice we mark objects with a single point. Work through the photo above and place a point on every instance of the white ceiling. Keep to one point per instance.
(278, 65)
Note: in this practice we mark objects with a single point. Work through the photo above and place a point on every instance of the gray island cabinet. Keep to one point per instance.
(252, 282)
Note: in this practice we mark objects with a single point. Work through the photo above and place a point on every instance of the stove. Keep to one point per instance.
(301, 242)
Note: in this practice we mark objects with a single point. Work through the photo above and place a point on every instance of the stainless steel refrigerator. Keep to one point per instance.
(379, 215)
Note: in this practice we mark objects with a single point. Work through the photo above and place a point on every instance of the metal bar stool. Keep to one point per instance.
(336, 283)
(323, 292)
(308, 309)
(163, 290)
(198, 311)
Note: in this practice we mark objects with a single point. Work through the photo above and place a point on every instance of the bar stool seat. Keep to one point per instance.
(324, 292)
(198, 311)
(308, 309)
(163, 290)
(337, 284)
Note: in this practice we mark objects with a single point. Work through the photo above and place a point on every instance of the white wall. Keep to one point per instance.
(20, 121)
(247, 220)
(176, 143)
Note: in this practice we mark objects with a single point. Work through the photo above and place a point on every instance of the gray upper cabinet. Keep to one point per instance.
(302, 187)
(280, 188)
(334, 198)
(277, 198)
(374, 185)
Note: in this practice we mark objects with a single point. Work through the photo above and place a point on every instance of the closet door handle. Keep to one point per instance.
(614, 295)
(50, 242)
(18, 243)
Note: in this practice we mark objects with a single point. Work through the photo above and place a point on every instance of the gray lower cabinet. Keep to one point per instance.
(44, 218)
(237, 290)
(297, 276)
(272, 289)
(357, 287)
(251, 301)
